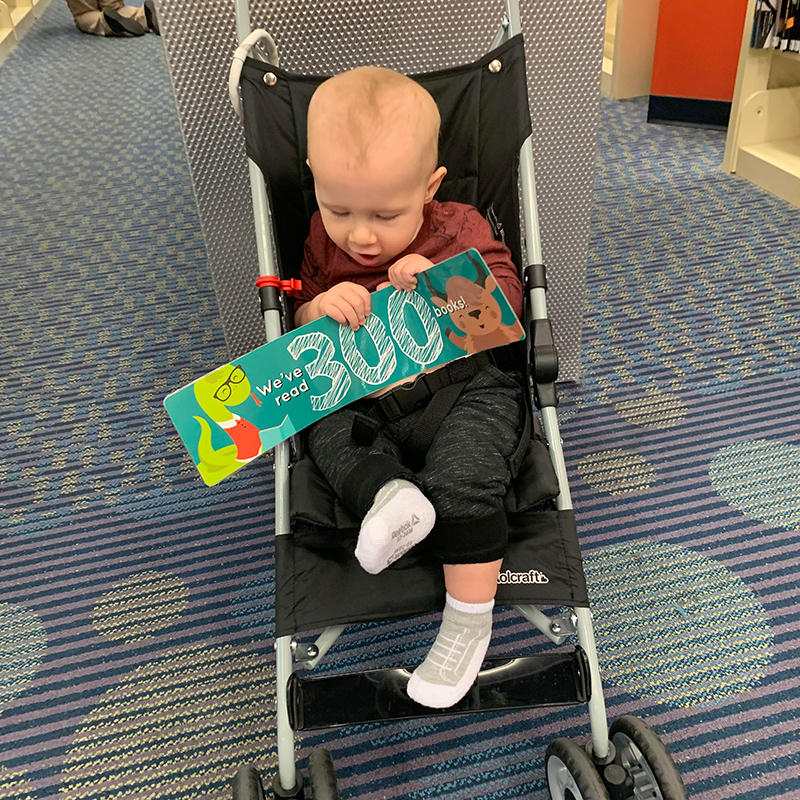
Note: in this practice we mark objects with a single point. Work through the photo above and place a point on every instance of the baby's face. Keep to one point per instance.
(372, 211)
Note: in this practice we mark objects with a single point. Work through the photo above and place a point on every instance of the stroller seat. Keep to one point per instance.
(320, 583)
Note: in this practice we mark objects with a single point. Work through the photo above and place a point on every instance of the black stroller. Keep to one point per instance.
(485, 145)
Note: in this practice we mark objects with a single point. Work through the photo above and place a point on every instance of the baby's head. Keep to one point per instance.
(373, 148)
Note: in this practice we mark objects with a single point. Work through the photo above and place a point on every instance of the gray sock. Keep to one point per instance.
(455, 659)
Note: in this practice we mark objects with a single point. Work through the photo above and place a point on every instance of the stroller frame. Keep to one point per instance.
(571, 772)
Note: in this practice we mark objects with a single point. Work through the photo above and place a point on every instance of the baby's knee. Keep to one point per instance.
(335, 428)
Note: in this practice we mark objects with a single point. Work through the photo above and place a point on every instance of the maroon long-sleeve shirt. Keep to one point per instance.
(447, 230)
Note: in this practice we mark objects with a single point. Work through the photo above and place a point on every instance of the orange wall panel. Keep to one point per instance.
(697, 48)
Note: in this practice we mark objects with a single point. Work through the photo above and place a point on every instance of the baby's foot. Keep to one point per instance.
(454, 661)
(400, 517)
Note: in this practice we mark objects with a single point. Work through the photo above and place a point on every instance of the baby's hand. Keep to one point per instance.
(402, 274)
(346, 302)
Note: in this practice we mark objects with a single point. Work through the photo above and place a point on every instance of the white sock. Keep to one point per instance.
(400, 517)
(454, 661)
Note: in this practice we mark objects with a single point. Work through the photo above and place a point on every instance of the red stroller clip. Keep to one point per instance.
(291, 286)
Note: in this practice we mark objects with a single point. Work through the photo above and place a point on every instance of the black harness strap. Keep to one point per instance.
(415, 446)
(437, 392)
(522, 445)
(411, 396)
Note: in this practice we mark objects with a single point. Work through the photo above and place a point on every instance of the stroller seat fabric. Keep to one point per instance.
(320, 583)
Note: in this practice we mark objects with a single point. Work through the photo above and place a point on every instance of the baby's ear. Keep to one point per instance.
(434, 182)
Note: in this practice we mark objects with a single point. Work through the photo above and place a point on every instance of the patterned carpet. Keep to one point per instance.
(136, 604)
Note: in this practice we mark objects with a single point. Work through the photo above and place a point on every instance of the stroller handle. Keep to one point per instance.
(240, 54)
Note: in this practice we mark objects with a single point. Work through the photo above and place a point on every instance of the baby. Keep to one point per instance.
(373, 152)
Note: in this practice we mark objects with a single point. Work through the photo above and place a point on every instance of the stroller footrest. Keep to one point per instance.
(380, 695)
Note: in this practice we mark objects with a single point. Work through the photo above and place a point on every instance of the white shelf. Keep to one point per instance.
(8, 38)
(774, 166)
(763, 144)
(16, 19)
(21, 15)
(629, 46)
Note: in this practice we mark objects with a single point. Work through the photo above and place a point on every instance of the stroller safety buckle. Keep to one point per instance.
(410, 396)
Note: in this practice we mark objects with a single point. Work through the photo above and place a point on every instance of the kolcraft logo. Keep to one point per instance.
(532, 576)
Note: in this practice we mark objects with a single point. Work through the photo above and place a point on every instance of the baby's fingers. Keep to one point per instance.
(336, 306)
(344, 313)
(407, 282)
(359, 299)
(402, 277)
(403, 273)
(337, 314)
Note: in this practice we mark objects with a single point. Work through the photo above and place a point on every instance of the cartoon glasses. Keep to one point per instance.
(224, 391)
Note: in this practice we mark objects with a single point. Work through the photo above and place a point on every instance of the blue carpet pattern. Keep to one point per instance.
(136, 604)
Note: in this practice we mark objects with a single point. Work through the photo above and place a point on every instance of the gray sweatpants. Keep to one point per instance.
(466, 473)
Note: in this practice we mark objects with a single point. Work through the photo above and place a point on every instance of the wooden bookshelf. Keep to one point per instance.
(8, 38)
(763, 144)
(21, 15)
(16, 19)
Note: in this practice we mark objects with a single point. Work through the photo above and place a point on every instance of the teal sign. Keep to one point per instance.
(240, 410)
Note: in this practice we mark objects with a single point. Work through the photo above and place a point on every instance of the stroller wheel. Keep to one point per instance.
(322, 775)
(571, 774)
(646, 759)
(247, 784)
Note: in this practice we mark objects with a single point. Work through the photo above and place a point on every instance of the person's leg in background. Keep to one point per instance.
(133, 19)
(113, 17)
(88, 17)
